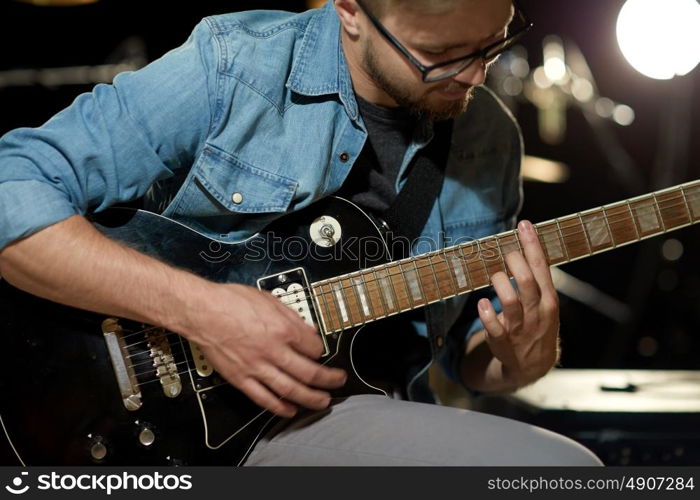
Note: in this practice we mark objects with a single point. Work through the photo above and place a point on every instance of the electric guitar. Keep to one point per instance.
(82, 389)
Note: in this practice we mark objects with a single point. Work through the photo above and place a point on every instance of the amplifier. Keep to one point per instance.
(626, 417)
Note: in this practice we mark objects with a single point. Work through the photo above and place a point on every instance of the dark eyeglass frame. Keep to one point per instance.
(507, 43)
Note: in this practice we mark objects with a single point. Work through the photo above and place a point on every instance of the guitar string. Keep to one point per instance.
(562, 238)
(560, 235)
(145, 339)
(151, 376)
(615, 219)
(654, 208)
(166, 334)
(148, 353)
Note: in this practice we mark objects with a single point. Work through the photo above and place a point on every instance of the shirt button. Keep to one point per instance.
(440, 341)
(237, 198)
(344, 157)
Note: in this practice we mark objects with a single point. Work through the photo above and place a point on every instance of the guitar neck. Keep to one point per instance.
(378, 292)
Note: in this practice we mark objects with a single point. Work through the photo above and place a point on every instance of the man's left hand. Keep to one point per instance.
(524, 337)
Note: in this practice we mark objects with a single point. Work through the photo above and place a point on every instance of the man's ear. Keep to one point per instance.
(348, 12)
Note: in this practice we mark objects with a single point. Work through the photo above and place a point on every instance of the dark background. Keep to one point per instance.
(663, 296)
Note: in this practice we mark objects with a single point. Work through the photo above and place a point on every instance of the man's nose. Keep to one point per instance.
(474, 74)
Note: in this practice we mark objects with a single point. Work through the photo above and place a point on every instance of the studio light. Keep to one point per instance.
(660, 38)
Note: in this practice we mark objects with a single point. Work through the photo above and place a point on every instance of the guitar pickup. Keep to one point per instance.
(293, 290)
(203, 367)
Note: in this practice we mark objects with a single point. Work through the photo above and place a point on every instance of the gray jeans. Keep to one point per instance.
(376, 430)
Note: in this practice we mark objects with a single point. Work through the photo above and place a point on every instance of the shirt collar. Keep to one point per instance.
(319, 68)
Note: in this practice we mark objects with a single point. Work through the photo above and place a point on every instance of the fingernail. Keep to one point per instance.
(525, 226)
(483, 305)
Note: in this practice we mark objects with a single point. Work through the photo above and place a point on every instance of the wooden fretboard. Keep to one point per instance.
(378, 292)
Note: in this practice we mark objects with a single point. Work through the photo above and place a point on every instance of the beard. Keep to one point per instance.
(420, 106)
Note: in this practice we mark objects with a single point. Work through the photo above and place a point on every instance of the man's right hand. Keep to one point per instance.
(261, 347)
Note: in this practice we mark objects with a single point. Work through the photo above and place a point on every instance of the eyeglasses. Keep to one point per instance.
(448, 69)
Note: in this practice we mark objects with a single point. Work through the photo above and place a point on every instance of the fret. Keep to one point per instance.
(402, 276)
(417, 286)
(502, 256)
(585, 234)
(621, 225)
(607, 224)
(491, 256)
(340, 301)
(465, 260)
(687, 206)
(645, 216)
(480, 275)
(483, 262)
(377, 285)
(361, 296)
(672, 208)
(634, 219)
(458, 271)
(374, 295)
(432, 269)
(551, 243)
(510, 243)
(412, 290)
(694, 201)
(427, 278)
(575, 242)
(352, 301)
(324, 312)
(599, 236)
(443, 268)
(561, 241)
(658, 211)
(336, 306)
(388, 291)
(517, 240)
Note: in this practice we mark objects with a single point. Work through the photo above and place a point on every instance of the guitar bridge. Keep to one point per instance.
(123, 370)
(164, 363)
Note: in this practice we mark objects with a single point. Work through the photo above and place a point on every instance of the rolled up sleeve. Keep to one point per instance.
(111, 144)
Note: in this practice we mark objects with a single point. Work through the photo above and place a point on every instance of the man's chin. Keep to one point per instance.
(441, 109)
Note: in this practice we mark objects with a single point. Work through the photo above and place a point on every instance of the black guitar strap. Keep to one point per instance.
(408, 214)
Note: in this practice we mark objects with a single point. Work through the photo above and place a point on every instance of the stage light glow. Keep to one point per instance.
(540, 78)
(554, 60)
(623, 115)
(582, 90)
(605, 107)
(660, 38)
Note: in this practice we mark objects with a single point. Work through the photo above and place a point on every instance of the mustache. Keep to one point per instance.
(456, 86)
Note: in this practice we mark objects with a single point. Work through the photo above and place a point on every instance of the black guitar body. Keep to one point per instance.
(61, 402)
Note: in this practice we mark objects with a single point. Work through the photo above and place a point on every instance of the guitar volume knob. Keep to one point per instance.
(147, 437)
(98, 448)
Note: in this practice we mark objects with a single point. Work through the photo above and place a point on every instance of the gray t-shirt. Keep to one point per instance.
(372, 185)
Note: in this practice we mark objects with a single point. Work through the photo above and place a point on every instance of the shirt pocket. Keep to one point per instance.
(229, 199)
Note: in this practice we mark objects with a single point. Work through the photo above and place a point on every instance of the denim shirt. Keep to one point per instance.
(258, 105)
